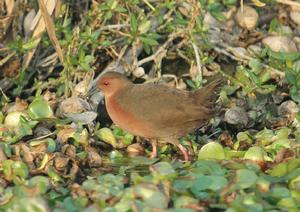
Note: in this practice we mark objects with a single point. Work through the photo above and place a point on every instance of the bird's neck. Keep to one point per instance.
(122, 89)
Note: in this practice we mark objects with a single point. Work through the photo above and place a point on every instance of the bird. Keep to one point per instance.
(157, 112)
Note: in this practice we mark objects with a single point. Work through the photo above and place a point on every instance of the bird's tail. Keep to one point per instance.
(208, 95)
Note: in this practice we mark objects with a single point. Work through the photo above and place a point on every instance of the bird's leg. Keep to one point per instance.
(154, 148)
(184, 151)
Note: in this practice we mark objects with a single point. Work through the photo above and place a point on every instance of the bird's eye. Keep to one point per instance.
(106, 83)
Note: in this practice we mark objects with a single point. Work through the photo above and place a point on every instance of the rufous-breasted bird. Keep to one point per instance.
(157, 112)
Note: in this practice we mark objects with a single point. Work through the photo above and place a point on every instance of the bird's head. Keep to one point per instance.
(112, 82)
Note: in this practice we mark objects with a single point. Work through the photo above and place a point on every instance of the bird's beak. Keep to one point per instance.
(93, 89)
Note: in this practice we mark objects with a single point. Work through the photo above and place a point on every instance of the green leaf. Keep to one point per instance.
(182, 201)
(296, 66)
(265, 136)
(39, 108)
(273, 25)
(151, 196)
(208, 167)
(144, 26)
(279, 192)
(51, 145)
(163, 170)
(40, 182)
(295, 93)
(106, 135)
(20, 169)
(149, 41)
(244, 137)
(180, 185)
(255, 153)
(278, 170)
(133, 24)
(32, 204)
(289, 56)
(212, 150)
(291, 77)
(213, 183)
(255, 64)
(245, 178)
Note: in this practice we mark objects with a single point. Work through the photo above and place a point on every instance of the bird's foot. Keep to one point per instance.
(184, 152)
(154, 149)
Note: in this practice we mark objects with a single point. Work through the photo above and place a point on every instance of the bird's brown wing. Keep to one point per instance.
(167, 110)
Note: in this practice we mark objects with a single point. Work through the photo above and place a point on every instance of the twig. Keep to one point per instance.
(42, 137)
(115, 26)
(242, 5)
(246, 59)
(149, 5)
(5, 59)
(289, 2)
(199, 65)
(51, 30)
(134, 55)
(5, 97)
(160, 49)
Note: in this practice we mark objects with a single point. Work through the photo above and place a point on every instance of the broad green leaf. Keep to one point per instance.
(151, 196)
(40, 182)
(213, 183)
(212, 150)
(245, 178)
(163, 169)
(255, 153)
(32, 204)
(208, 167)
(107, 136)
(278, 170)
(39, 109)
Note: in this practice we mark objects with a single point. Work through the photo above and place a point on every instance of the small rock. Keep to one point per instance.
(285, 30)
(254, 49)
(85, 117)
(81, 88)
(72, 105)
(12, 119)
(28, 21)
(236, 115)
(181, 85)
(288, 108)
(297, 39)
(210, 21)
(280, 44)
(247, 17)
(277, 97)
(138, 72)
(295, 16)
(41, 131)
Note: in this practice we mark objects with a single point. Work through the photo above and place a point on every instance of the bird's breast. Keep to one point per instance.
(126, 119)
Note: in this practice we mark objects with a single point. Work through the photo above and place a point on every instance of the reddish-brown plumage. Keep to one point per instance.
(156, 112)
